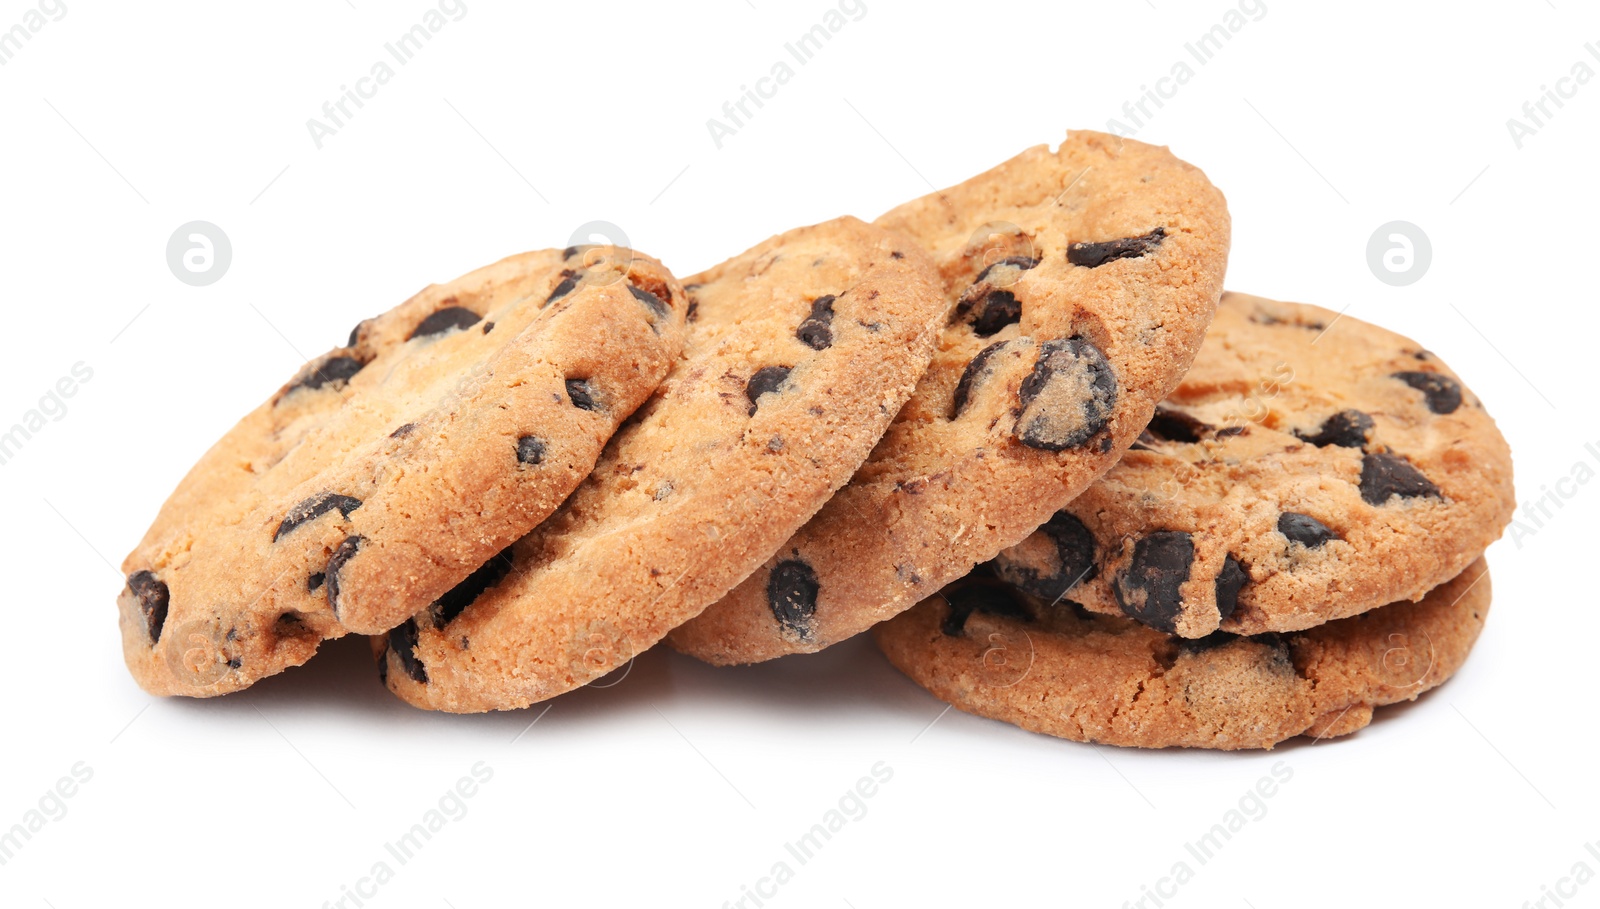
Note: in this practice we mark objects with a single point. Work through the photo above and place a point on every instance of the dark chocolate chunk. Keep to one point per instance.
(986, 596)
(1230, 580)
(1175, 426)
(1074, 546)
(1443, 393)
(571, 251)
(1149, 590)
(971, 375)
(988, 310)
(530, 450)
(897, 254)
(1094, 255)
(313, 508)
(153, 598)
(1385, 475)
(1347, 428)
(355, 333)
(446, 608)
(403, 641)
(562, 289)
(488, 327)
(657, 305)
(332, 371)
(1305, 530)
(444, 320)
(1068, 398)
(341, 555)
(403, 430)
(816, 332)
(792, 596)
(766, 379)
(315, 581)
(582, 394)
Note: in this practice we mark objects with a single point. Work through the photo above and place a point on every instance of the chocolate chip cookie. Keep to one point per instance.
(389, 469)
(1080, 282)
(997, 652)
(800, 352)
(1309, 467)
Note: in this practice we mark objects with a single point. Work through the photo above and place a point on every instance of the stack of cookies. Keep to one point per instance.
(1016, 425)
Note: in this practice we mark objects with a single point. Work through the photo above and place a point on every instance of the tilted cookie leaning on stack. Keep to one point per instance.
(1307, 471)
(800, 351)
(1081, 282)
(392, 467)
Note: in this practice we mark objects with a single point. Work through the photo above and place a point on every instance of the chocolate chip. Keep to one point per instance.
(571, 251)
(970, 595)
(1176, 426)
(816, 332)
(562, 289)
(766, 379)
(530, 450)
(1386, 475)
(1068, 398)
(458, 598)
(341, 555)
(988, 309)
(403, 430)
(403, 641)
(692, 314)
(153, 598)
(355, 333)
(313, 508)
(1347, 428)
(655, 303)
(582, 394)
(332, 371)
(1305, 530)
(1442, 393)
(444, 320)
(897, 254)
(1230, 580)
(1149, 590)
(974, 372)
(1074, 545)
(1094, 255)
(488, 327)
(315, 581)
(792, 596)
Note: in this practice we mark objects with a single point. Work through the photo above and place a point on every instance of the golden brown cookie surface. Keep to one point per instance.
(1310, 466)
(1080, 282)
(996, 652)
(800, 352)
(390, 468)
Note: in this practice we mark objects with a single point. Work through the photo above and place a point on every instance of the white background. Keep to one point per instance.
(680, 785)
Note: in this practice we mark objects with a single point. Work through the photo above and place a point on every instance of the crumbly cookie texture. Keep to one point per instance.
(800, 352)
(1309, 467)
(390, 468)
(997, 652)
(1080, 282)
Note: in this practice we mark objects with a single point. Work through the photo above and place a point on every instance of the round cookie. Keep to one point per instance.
(1081, 281)
(994, 651)
(800, 352)
(1309, 467)
(390, 468)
